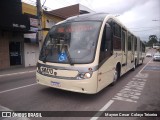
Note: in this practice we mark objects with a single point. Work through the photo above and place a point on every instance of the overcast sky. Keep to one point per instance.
(137, 15)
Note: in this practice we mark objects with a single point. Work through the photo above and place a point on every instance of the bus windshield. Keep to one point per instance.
(71, 43)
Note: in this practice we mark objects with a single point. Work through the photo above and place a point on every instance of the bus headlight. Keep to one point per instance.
(87, 75)
(84, 75)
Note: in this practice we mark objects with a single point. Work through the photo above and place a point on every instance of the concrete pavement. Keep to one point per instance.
(14, 71)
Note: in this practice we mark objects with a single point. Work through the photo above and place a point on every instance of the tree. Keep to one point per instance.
(152, 40)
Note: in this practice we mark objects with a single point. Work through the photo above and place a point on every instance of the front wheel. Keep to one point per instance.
(134, 67)
(115, 77)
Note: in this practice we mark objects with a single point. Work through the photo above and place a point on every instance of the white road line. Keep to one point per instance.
(18, 73)
(17, 88)
(2, 108)
(5, 110)
(105, 107)
(144, 67)
(98, 114)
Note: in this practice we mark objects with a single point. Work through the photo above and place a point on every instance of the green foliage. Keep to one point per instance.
(152, 40)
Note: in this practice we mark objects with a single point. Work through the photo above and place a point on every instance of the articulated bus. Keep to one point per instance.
(88, 52)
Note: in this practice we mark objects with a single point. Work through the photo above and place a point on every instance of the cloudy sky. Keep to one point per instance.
(142, 17)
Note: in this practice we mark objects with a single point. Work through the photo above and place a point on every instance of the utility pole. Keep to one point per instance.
(39, 15)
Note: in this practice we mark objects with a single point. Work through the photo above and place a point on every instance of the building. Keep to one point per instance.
(19, 45)
(13, 24)
(31, 46)
(70, 11)
(18, 33)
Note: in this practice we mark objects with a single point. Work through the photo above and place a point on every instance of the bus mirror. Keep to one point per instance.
(108, 32)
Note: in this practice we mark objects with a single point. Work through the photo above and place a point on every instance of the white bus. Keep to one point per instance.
(88, 52)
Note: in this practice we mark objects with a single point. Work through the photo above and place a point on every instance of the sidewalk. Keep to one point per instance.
(17, 70)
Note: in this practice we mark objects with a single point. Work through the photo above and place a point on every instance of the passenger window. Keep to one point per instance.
(105, 49)
(123, 41)
(135, 44)
(117, 30)
(129, 42)
(116, 36)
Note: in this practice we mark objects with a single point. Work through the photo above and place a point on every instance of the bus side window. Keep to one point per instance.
(105, 49)
(129, 42)
(123, 40)
(143, 47)
(116, 36)
(135, 44)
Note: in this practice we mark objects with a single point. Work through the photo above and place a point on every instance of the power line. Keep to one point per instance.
(43, 3)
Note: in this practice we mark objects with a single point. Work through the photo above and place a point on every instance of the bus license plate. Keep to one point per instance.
(55, 84)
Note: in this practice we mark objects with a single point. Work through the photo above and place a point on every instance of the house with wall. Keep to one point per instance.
(19, 45)
(70, 11)
(13, 24)
(31, 43)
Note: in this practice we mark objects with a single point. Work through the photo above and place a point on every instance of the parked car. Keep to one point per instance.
(156, 56)
(148, 54)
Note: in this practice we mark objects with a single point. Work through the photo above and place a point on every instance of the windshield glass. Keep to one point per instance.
(73, 42)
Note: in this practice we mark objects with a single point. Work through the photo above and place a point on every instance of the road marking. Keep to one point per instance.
(8, 116)
(105, 107)
(17, 73)
(128, 93)
(144, 66)
(132, 90)
(2, 108)
(17, 88)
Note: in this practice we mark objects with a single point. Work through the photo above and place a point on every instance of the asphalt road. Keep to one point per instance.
(137, 90)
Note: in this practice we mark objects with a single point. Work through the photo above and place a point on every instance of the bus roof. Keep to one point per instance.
(91, 16)
(94, 17)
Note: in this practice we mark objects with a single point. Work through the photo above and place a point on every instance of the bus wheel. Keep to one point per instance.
(134, 67)
(115, 77)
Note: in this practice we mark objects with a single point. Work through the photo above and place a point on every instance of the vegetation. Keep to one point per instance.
(152, 40)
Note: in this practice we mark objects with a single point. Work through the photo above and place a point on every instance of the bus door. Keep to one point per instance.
(132, 50)
(124, 49)
(106, 50)
(137, 51)
(141, 53)
(129, 52)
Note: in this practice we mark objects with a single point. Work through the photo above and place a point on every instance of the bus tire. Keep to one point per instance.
(134, 67)
(116, 75)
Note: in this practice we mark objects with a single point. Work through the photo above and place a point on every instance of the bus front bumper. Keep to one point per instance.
(88, 86)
